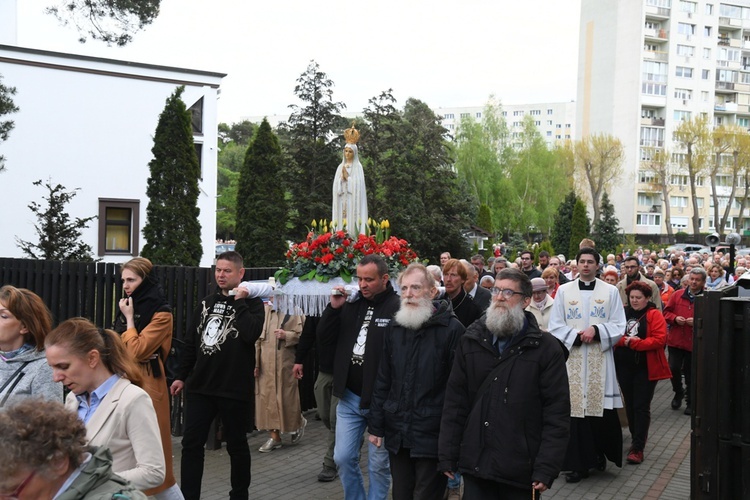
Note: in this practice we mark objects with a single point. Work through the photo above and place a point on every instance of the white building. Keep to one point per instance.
(555, 120)
(88, 123)
(644, 67)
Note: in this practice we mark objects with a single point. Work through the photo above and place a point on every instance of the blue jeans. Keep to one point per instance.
(351, 423)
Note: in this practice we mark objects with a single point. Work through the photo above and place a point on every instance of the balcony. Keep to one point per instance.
(656, 122)
(652, 143)
(724, 40)
(657, 12)
(727, 107)
(730, 22)
(725, 86)
(656, 35)
(655, 55)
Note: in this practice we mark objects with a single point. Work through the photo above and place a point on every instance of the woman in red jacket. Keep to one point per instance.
(640, 362)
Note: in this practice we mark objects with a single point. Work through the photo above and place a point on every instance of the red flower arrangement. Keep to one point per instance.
(327, 255)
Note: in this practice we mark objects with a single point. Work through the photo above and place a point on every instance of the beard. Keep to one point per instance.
(503, 321)
(414, 313)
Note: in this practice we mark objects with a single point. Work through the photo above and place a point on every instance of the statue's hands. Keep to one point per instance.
(345, 173)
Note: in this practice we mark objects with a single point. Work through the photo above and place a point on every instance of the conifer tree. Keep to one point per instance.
(59, 237)
(6, 107)
(315, 156)
(261, 208)
(561, 226)
(580, 228)
(172, 230)
(607, 229)
(484, 219)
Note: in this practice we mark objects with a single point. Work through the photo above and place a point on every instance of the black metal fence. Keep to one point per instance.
(720, 439)
(92, 290)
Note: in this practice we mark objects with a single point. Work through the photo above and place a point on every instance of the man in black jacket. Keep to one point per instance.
(410, 389)
(324, 398)
(358, 329)
(507, 406)
(218, 362)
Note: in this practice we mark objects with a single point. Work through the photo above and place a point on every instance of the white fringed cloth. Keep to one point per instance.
(312, 296)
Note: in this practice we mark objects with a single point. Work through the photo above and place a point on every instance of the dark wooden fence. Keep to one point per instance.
(92, 290)
(720, 439)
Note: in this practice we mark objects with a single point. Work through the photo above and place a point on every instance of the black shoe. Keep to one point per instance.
(688, 410)
(601, 463)
(328, 474)
(576, 476)
(677, 402)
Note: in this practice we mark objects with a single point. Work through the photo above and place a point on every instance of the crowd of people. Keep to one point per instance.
(482, 379)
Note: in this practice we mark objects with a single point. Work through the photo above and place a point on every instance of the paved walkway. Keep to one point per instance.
(291, 471)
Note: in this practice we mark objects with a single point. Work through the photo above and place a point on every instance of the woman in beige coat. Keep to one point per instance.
(277, 404)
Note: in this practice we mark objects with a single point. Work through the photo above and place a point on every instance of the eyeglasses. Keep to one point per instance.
(19, 490)
(506, 292)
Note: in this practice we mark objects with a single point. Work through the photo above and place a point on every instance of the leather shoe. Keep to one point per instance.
(635, 457)
(269, 445)
(677, 402)
(328, 474)
(576, 476)
(688, 410)
(601, 463)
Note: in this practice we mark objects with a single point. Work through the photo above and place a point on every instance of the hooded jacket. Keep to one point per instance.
(97, 481)
(516, 431)
(410, 389)
(33, 380)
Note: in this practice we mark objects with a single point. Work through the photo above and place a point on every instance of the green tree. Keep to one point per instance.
(484, 219)
(411, 167)
(110, 21)
(309, 176)
(607, 229)
(562, 223)
(233, 142)
(59, 236)
(261, 209)
(6, 107)
(172, 229)
(580, 227)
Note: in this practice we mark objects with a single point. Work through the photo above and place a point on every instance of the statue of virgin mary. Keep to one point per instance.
(349, 194)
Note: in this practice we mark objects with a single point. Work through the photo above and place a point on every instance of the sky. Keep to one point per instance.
(446, 53)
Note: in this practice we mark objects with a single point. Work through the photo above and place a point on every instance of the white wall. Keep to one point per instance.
(89, 124)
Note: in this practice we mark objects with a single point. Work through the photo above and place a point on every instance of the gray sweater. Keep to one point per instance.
(34, 380)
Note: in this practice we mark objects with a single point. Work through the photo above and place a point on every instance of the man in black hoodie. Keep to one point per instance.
(218, 363)
(358, 329)
(408, 397)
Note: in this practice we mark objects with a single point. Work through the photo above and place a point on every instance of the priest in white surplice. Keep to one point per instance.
(588, 317)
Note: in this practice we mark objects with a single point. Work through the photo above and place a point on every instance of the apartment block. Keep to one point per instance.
(644, 67)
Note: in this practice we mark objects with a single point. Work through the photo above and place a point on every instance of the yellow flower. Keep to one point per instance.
(314, 223)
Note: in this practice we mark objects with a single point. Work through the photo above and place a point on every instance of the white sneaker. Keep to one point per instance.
(296, 436)
(269, 445)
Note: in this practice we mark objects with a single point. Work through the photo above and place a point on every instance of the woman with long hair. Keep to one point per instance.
(145, 323)
(640, 362)
(24, 323)
(104, 383)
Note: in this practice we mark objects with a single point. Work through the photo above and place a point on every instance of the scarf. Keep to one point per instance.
(148, 299)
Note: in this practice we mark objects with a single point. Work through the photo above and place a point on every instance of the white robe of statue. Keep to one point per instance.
(349, 194)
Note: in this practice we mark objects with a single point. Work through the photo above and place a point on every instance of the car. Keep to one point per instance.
(224, 247)
(687, 248)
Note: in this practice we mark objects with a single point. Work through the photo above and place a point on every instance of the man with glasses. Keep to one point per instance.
(632, 273)
(589, 319)
(507, 407)
(527, 265)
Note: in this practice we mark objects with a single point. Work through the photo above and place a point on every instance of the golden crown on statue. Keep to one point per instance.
(351, 135)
